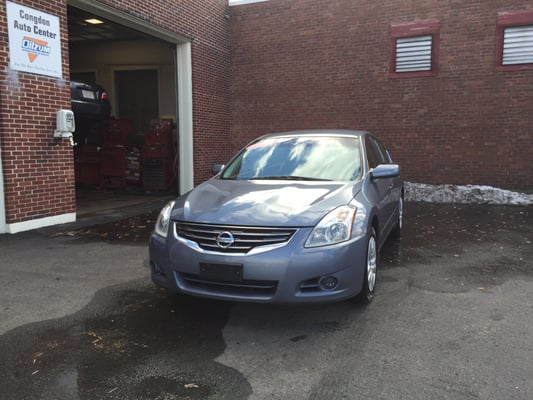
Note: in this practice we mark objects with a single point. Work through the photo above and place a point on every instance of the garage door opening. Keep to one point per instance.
(125, 100)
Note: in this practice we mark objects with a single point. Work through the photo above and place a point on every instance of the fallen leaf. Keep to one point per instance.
(191, 386)
(95, 336)
(36, 356)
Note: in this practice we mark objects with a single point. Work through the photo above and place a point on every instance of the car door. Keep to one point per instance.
(396, 189)
(381, 189)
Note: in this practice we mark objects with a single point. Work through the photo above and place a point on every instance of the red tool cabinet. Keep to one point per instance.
(158, 158)
(113, 154)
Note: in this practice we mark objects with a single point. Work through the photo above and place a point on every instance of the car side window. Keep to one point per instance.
(386, 154)
(374, 153)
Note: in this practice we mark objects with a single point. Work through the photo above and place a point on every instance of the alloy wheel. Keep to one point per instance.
(371, 263)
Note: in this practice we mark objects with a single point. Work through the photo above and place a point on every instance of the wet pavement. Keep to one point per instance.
(452, 319)
(130, 343)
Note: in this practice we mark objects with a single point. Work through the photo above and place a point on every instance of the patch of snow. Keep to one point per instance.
(468, 194)
(238, 2)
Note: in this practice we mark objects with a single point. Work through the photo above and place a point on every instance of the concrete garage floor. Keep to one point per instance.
(94, 206)
(452, 319)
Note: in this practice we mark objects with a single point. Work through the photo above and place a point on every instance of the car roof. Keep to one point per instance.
(317, 132)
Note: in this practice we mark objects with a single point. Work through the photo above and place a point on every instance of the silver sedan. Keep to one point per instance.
(294, 217)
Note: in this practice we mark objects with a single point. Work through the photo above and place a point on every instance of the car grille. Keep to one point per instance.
(243, 238)
(244, 288)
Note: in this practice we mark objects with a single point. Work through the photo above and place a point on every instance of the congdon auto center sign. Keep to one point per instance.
(34, 41)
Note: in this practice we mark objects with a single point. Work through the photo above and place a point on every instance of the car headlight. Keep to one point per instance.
(162, 223)
(335, 227)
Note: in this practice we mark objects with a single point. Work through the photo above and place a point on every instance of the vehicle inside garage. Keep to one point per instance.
(123, 95)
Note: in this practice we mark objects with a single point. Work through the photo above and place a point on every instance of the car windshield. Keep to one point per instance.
(298, 158)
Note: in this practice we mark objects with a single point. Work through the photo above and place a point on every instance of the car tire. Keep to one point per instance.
(397, 230)
(370, 272)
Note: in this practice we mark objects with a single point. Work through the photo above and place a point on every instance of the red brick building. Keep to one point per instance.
(185, 42)
(464, 119)
(457, 110)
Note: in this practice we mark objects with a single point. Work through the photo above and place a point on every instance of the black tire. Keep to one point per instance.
(397, 230)
(370, 272)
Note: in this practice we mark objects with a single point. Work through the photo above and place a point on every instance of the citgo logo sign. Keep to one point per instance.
(34, 40)
(35, 48)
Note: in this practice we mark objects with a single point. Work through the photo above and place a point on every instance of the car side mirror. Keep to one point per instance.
(217, 168)
(385, 171)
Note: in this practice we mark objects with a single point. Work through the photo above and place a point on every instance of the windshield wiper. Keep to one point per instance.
(288, 178)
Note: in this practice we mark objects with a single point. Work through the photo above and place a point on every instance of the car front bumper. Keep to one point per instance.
(287, 274)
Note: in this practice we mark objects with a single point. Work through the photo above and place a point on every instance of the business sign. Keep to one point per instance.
(34, 41)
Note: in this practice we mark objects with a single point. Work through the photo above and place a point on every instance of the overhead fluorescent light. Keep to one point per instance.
(94, 21)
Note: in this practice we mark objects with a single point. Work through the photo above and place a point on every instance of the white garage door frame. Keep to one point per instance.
(2, 199)
(183, 91)
(183, 80)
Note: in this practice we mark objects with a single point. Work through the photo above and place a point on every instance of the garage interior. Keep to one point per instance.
(131, 155)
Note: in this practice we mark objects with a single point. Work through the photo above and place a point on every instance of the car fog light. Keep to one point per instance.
(328, 283)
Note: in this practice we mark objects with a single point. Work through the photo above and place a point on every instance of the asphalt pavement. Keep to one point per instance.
(452, 319)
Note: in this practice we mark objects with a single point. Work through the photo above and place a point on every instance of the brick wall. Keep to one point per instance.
(325, 64)
(38, 171)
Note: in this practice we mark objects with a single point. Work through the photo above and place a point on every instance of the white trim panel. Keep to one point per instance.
(2, 199)
(185, 120)
(40, 223)
(239, 2)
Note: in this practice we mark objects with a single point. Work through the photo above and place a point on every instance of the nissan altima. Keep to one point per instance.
(294, 217)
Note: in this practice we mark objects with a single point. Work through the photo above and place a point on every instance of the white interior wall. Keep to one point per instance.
(105, 58)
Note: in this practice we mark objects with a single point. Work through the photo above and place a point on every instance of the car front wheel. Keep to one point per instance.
(397, 230)
(370, 272)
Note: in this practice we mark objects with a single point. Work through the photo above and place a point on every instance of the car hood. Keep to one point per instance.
(262, 203)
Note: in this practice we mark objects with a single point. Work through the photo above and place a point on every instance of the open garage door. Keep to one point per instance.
(134, 127)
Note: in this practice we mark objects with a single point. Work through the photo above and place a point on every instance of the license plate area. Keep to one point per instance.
(221, 272)
(88, 94)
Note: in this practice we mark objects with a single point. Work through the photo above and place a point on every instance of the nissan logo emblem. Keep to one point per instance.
(225, 239)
